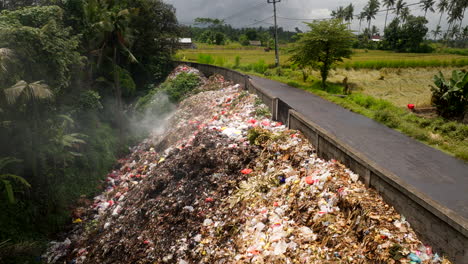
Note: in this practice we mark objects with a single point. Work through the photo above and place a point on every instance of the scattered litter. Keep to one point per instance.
(223, 185)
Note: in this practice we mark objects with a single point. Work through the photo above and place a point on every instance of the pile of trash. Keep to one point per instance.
(224, 184)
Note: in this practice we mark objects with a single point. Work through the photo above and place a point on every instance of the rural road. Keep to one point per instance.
(430, 171)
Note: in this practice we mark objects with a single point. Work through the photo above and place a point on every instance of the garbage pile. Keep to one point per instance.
(224, 184)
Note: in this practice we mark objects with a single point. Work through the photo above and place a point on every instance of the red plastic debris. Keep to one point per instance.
(275, 204)
(252, 121)
(265, 123)
(309, 180)
(411, 106)
(246, 171)
(209, 200)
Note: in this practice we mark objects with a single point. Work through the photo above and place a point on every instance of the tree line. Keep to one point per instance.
(454, 10)
(216, 31)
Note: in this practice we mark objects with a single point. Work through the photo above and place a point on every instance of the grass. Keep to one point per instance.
(399, 86)
(361, 59)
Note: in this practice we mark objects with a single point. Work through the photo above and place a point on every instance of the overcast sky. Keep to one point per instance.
(241, 13)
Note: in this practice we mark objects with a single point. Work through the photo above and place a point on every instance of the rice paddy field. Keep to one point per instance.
(400, 78)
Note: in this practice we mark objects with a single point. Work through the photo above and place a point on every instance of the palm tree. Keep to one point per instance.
(339, 13)
(361, 17)
(405, 13)
(371, 10)
(388, 4)
(348, 14)
(441, 7)
(112, 30)
(427, 5)
(455, 32)
(436, 32)
(30, 94)
(399, 6)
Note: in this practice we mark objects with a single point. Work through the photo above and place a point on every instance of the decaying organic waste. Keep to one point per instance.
(224, 184)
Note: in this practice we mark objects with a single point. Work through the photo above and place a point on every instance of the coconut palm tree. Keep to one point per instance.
(427, 5)
(371, 10)
(436, 32)
(442, 7)
(361, 17)
(339, 13)
(405, 13)
(388, 4)
(400, 5)
(348, 14)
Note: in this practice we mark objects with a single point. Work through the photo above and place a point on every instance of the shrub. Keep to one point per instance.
(450, 97)
(260, 67)
(237, 62)
(180, 86)
(205, 59)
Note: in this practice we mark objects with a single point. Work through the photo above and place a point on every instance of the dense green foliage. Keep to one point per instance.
(67, 69)
(407, 37)
(180, 86)
(160, 99)
(327, 43)
(215, 31)
(451, 96)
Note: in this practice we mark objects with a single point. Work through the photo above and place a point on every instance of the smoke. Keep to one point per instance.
(152, 116)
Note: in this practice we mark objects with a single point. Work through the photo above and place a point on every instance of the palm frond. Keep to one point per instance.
(15, 91)
(40, 90)
(9, 191)
(67, 120)
(31, 91)
(7, 160)
(70, 139)
(16, 178)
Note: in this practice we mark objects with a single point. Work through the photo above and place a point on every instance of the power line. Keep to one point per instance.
(244, 10)
(257, 22)
(288, 18)
(356, 16)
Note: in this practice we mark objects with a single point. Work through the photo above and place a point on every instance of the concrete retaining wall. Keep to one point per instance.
(435, 224)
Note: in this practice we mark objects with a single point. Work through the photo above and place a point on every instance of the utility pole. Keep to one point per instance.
(276, 31)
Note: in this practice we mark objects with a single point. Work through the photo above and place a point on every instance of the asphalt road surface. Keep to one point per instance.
(432, 172)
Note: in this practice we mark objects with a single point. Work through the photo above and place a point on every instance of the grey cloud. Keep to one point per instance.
(248, 13)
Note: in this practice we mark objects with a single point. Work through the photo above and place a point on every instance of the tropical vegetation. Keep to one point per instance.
(68, 70)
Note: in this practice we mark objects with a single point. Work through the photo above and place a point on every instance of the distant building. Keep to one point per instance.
(255, 43)
(376, 38)
(186, 43)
